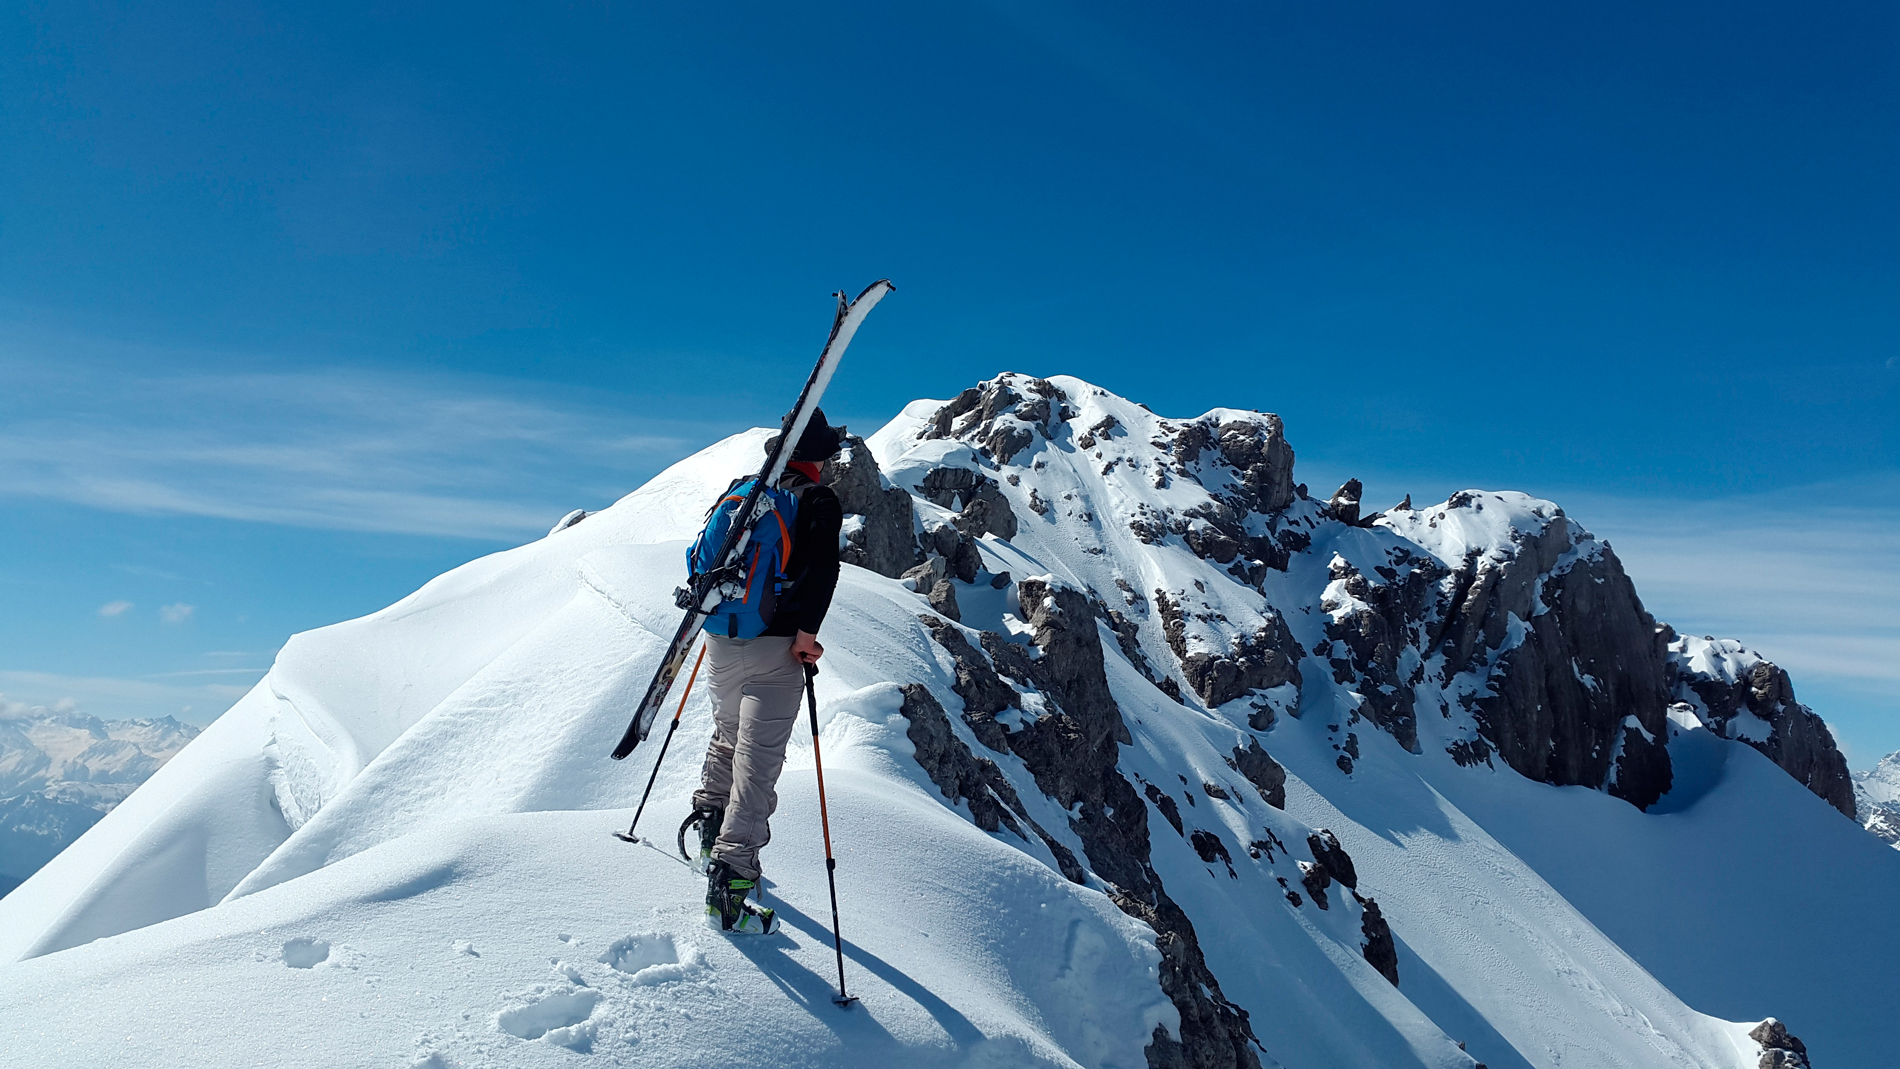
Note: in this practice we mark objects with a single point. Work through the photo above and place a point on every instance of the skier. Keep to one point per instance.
(756, 687)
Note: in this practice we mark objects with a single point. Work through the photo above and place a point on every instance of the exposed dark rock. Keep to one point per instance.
(1344, 504)
(1215, 1033)
(1215, 790)
(1779, 1049)
(1262, 661)
(1327, 851)
(1640, 760)
(983, 692)
(1588, 660)
(1258, 450)
(1266, 659)
(1252, 474)
(1103, 428)
(1380, 950)
(1165, 802)
(1262, 716)
(1798, 741)
(1128, 637)
(957, 549)
(1469, 752)
(976, 498)
(1210, 848)
(1377, 625)
(1072, 750)
(884, 543)
(1071, 669)
(1002, 416)
(1316, 880)
(943, 598)
(943, 424)
(1149, 524)
(960, 775)
(1262, 771)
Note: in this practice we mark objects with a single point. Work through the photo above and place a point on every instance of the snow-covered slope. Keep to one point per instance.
(1138, 754)
(61, 770)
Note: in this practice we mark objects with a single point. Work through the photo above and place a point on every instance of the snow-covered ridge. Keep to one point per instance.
(1138, 754)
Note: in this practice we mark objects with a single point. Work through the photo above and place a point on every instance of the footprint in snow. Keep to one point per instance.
(653, 958)
(560, 1017)
(304, 953)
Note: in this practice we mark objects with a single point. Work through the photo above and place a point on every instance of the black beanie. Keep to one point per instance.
(820, 442)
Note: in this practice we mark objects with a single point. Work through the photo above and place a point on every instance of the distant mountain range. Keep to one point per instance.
(1877, 798)
(61, 770)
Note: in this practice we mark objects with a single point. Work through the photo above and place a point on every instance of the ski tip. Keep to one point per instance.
(885, 282)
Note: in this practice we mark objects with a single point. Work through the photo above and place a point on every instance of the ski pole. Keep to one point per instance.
(629, 836)
(824, 819)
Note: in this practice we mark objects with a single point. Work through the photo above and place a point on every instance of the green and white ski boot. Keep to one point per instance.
(726, 903)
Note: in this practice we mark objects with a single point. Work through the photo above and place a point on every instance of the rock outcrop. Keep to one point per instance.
(1371, 625)
(882, 539)
(1262, 660)
(1740, 696)
(1571, 670)
(1779, 1049)
(1071, 750)
(979, 504)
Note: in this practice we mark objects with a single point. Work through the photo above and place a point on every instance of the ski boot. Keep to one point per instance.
(710, 820)
(726, 893)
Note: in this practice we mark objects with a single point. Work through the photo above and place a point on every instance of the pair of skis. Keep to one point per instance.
(704, 593)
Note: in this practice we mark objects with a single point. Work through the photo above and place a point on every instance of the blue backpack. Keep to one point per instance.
(762, 562)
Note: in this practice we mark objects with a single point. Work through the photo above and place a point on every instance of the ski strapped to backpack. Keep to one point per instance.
(706, 590)
(759, 573)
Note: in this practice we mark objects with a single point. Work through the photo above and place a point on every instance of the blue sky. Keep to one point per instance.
(301, 305)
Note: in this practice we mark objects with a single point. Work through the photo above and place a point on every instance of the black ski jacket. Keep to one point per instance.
(812, 566)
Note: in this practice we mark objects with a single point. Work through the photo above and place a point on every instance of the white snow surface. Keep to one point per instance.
(395, 850)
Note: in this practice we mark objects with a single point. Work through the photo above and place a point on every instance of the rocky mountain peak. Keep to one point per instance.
(1877, 799)
(1490, 626)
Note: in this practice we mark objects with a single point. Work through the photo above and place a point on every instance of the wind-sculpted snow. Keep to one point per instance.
(1138, 755)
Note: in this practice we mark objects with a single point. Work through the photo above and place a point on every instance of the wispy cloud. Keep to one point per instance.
(115, 699)
(115, 608)
(175, 614)
(330, 448)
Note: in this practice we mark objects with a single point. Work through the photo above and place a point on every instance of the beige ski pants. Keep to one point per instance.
(756, 688)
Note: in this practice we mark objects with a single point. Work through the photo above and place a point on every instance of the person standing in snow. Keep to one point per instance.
(756, 687)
